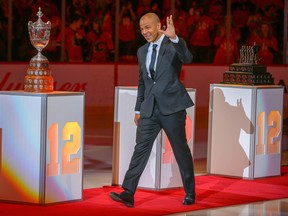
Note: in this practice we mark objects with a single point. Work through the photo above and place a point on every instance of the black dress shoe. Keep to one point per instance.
(126, 198)
(189, 199)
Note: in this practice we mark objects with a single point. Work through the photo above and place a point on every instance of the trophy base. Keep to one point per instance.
(247, 74)
(242, 78)
(38, 78)
(38, 84)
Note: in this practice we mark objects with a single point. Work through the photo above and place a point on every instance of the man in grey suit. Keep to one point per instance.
(161, 103)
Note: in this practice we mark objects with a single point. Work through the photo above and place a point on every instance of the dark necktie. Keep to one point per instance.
(152, 63)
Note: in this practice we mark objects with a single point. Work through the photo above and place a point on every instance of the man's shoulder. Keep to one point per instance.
(143, 48)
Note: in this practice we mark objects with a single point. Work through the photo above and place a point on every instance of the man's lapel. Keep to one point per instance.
(160, 55)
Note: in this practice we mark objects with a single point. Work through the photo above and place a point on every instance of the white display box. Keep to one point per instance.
(41, 146)
(162, 170)
(245, 130)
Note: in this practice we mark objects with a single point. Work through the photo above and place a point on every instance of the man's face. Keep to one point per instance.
(149, 29)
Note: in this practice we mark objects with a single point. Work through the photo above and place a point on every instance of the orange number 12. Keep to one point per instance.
(72, 146)
(274, 124)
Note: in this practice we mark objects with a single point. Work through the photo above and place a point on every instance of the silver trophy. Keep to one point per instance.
(39, 33)
(38, 78)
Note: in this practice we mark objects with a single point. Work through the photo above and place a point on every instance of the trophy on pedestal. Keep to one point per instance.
(248, 71)
(39, 78)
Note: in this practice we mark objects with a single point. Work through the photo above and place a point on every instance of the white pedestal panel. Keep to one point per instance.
(245, 130)
(41, 146)
(162, 170)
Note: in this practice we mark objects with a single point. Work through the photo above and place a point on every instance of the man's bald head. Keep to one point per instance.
(152, 16)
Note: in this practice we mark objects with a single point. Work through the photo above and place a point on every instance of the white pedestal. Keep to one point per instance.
(162, 170)
(41, 146)
(245, 130)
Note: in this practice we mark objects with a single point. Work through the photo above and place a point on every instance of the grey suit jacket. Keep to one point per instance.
(167, 90)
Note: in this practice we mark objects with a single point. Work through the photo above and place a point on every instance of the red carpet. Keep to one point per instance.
(212, 191)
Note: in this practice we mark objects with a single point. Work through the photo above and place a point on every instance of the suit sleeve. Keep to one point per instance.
(183, 52)
(141, 87)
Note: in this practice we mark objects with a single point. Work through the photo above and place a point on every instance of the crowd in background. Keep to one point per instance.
(89, 34)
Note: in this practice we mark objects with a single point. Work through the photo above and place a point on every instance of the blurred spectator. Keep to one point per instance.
(108, 19)
(270, 14)
(179, 5)
(75, 7)
(82, 8)
(226, 46)
(273, 14)
(156, 8)
(268, 46)
(254, 22)
(143, 7)
(241, 10)
(3, 29)
(48, 8)
(101, 46)
(202, 29)
(127, 33)
(3, 43)
(193, 8)
(260, 4)
(75, 40)
(52, 51)
(22, 49)
(181, 26)
(216, 10)
(166, 4)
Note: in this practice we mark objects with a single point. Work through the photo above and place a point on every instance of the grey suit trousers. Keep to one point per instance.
(147, 131)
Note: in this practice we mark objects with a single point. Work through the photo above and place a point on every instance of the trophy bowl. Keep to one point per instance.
(38, 78)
